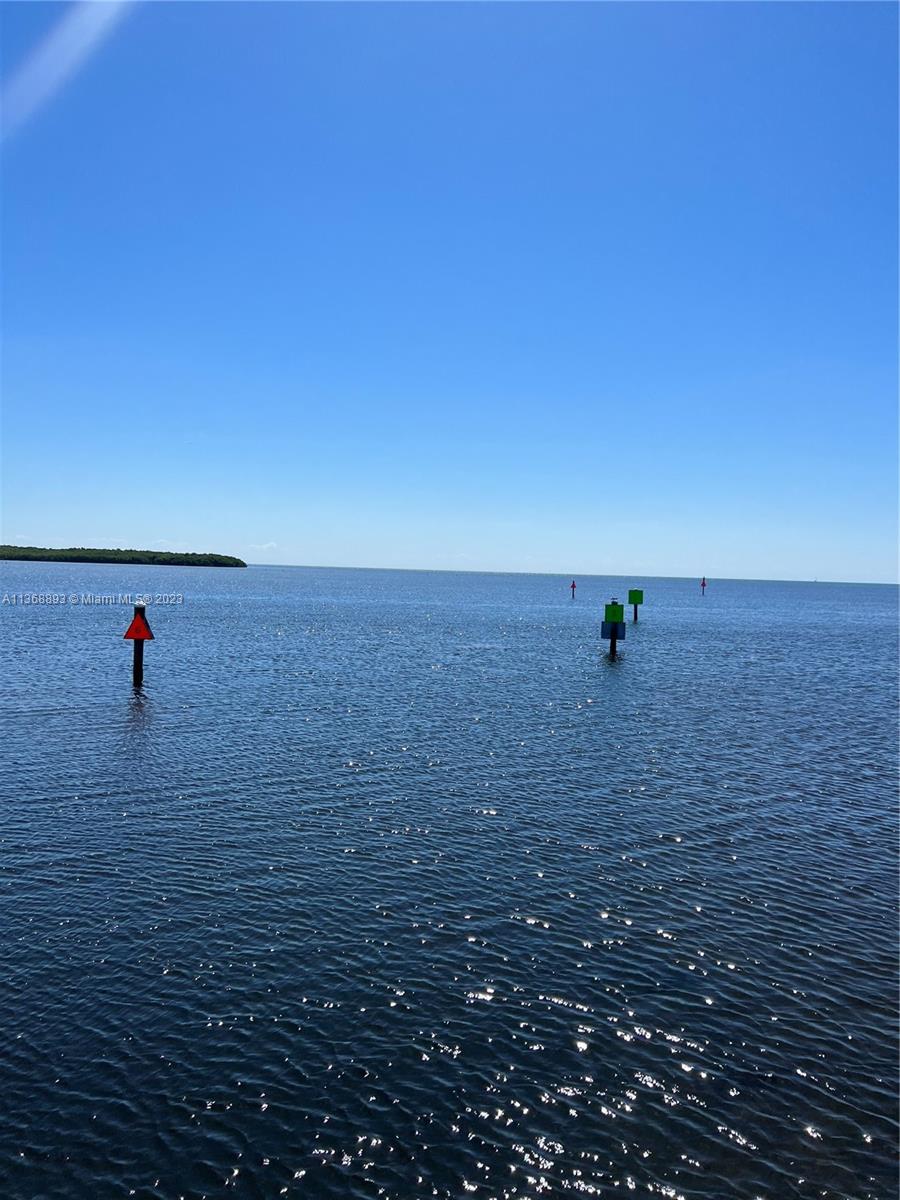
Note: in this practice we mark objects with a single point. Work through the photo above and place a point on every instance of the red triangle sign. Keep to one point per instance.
(139, 630)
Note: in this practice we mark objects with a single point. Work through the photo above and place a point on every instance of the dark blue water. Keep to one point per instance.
(391, 885)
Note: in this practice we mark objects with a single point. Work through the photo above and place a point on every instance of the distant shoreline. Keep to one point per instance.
(83, 554)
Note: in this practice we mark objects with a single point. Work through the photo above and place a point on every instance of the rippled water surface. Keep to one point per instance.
(391, 884)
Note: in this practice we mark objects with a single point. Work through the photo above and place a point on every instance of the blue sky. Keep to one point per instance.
(605, 288)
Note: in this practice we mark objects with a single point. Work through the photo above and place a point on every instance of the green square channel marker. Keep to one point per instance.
(614, 613)
(635, 596)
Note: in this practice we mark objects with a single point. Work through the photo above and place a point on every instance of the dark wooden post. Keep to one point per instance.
(137, 670)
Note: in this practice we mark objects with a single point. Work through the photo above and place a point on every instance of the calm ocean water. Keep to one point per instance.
(390, 884)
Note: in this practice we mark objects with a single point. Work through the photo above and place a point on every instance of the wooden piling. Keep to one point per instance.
(137, 669)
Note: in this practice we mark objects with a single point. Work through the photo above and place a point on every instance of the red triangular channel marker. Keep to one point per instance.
(139, 630)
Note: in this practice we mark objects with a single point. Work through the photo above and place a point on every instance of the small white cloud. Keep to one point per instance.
(264, 546)
(78, 32)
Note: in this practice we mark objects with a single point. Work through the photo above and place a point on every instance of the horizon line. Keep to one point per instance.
(583, 575)
(622, 575)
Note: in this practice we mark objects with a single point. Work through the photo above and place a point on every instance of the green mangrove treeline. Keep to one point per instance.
(80, 554)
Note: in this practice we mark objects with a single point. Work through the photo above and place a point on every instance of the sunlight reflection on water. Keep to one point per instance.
(391, 884)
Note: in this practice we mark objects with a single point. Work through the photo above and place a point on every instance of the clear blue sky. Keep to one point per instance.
(579, 288)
